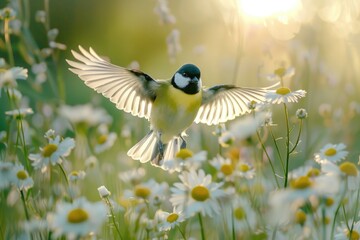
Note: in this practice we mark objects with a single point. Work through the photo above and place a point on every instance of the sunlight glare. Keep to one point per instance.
(266, 8)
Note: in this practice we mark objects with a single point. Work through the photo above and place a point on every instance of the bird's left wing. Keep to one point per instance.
(222, 103)
(131, 90)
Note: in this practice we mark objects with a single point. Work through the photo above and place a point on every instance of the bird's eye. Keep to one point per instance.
(185, 74)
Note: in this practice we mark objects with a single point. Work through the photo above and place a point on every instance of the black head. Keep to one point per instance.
(187, 79)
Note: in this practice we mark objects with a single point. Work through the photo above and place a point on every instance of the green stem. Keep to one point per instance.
(181, 232)
(113, 216)
(64, 173)
(287, 146)
(267, 155)
(24, 204)
(298, 137)
(277, 149)
(27, 162)
(8, 42)
(337, 210)
(201, 227)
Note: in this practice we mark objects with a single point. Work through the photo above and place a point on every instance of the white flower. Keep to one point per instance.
(331, 152)
(103, 192)
(244, 170)
(196, 194)
(105, 140)
(21, 178)
(225, 168)
(281, 73)
(20, 113)
(185, 159)
(226, 139)
(163, 10)
(74, 176)
(247, 126)
(151, 191)
(133, 176)
(344, 233)
(8, 77)
(85, 114)
(284, 95)
(52, 153)
(6, 174)
(346, 169)
(77, 219)
(168, 220)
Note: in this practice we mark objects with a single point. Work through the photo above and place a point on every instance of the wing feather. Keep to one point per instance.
(130, 90)
(225, 102)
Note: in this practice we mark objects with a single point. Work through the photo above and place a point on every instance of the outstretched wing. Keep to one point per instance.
(222, 103)
(131, 90)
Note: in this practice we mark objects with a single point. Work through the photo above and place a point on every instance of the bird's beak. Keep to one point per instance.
(194, 80)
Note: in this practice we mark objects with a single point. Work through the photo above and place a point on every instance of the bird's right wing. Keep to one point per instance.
(131, 90)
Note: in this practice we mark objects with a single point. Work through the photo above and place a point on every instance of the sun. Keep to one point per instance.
(267, 8)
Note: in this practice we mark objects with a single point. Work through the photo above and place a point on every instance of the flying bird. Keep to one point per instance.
(171, 105)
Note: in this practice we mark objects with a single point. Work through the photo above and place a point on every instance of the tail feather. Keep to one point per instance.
(147, 149)
(144, 149)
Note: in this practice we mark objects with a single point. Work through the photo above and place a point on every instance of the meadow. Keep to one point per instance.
(287, 169)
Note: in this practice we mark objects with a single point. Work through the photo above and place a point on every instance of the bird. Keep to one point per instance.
(171, 106)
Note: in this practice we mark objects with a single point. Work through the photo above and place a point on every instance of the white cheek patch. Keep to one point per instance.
(181, 81)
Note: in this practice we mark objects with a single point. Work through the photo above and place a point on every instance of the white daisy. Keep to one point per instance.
(20, 113)
(244, 170)
(8, 77)
(74, 176)
(196, 194)
(344, 233)
(347, 169)
(21, 178)
(52, 153)
(281, 73)
(105, 140)
(134, 176)
(79, 114)
(6, 174)
(185, 159)
(225, 168)
(168, 220)
(284, 95)
(331, 152)
(77, 219)
(150, 191)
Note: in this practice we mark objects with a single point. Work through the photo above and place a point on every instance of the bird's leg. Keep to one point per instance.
(183, 143)
(160, 147)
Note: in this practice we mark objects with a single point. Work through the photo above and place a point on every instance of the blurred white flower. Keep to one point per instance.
(246, 126)
(85, 114)
(185, 159)
(225, 168)
(151, 191)
(244, 170)
(20, 113)
(331, 152)
(162, 9)
(281, 73)
(284, 95)
(74, 176)
(226, 139)
(134, 176)
(8, 77)
(77, 219)
(343, 232)
(21, 178)
(6, 174)
(197, 194)
(52, 153)
(39, 70)
(345, 169)
(173, 44)
(103, 192)
(105, 140)
(168, 220)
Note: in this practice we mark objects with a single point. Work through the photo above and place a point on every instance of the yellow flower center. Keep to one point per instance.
(349, 169)
(74, 173)
(330, 152)
(301, 182)
(142, 192)
(329, 201)
(313, 172)
(200, 193)
(172, 217)
(244, 167)
(280, 72)
(353, 235)
(226, 169)
(77, 215)
(22, 175)
(49, 149)
(184, 154)
(300, 217)
(102, 139)
(239, 213)
(283, 91)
